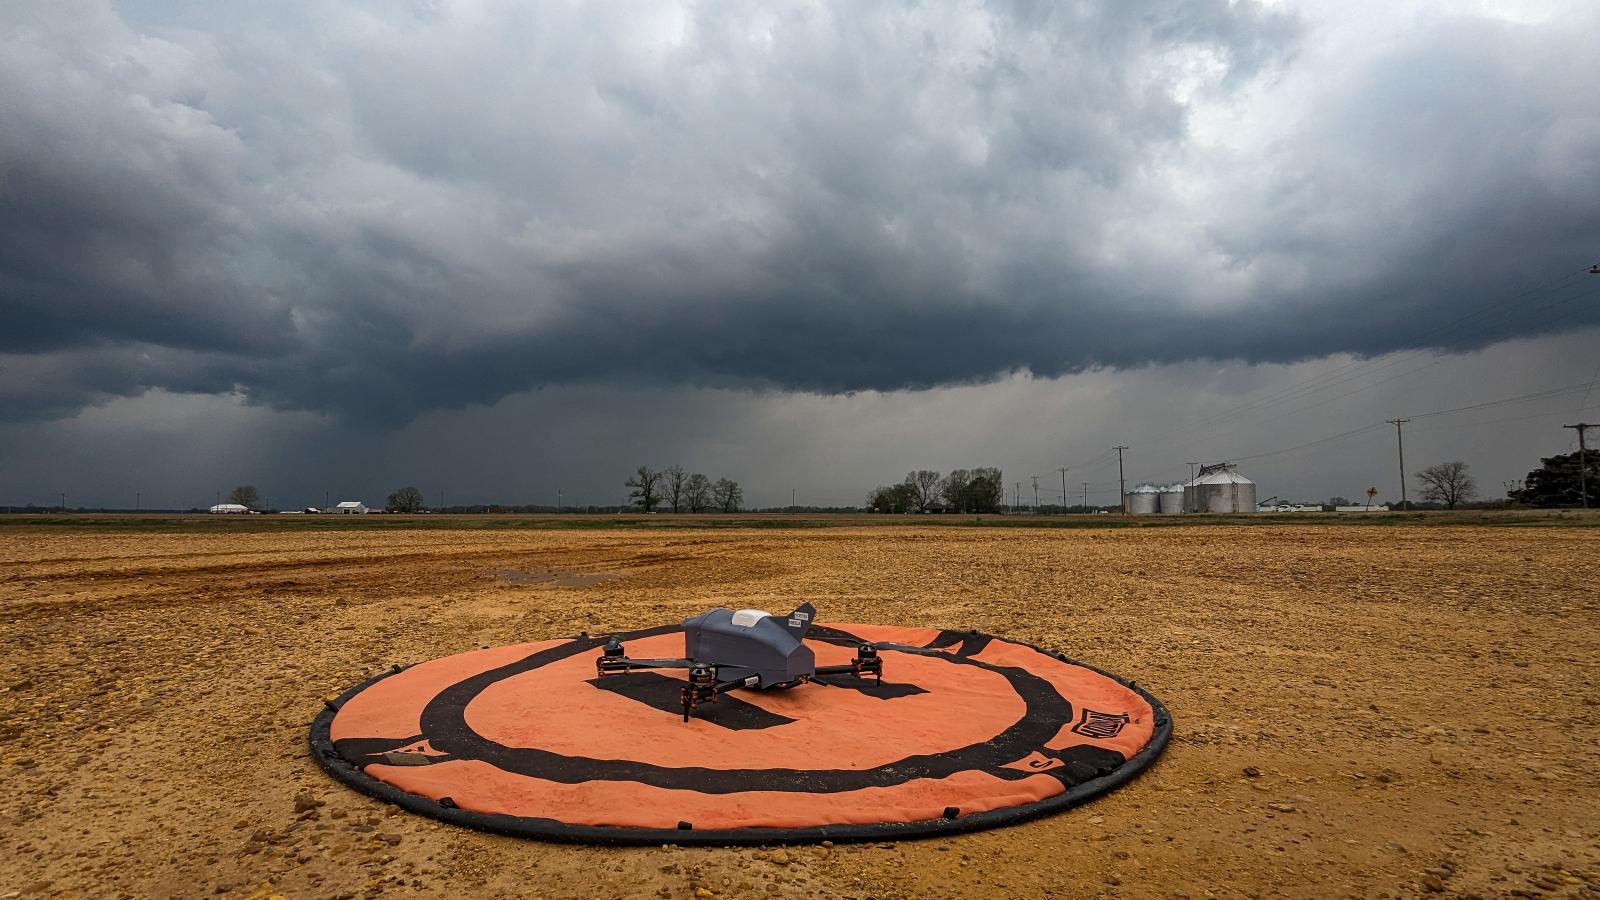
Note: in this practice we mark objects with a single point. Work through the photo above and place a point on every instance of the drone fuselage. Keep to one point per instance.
(751, 642)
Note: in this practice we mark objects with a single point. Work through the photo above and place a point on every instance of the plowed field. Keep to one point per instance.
(1359, 711)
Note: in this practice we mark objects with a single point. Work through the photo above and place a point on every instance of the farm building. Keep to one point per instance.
(1220, 489)
(351, 507)
(230, 509)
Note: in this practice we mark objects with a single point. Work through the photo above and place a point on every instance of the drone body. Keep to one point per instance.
(752, 642)
(726, 649)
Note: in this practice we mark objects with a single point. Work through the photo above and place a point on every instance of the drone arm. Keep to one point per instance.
(615, 665)
(613, 660)
(867, 662)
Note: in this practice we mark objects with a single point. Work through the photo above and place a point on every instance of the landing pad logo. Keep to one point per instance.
(1099, 725)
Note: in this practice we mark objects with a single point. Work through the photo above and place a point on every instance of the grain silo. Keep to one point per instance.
(1220, 489)
(1143, 500)
(1171, 501)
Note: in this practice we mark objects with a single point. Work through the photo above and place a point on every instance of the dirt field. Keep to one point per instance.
(1359, 711)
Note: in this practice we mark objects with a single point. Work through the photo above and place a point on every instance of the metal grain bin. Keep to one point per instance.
(1171, 499)
(1143, 500)
(1220, 489)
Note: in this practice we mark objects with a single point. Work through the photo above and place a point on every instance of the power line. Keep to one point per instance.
(1593, 380)
(1343, 434)
(1522, 398)
(1104, 456)
(1349, 372)
(1548, 394)
(1543, 415)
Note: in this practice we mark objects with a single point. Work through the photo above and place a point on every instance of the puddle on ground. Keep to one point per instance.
(552, 577)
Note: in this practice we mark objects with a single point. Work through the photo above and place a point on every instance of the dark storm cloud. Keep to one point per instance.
(377, 212)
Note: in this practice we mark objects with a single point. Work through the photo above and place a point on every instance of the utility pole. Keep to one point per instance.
(1192, 491)
(1063, 471)
(1015, 503)
(1122, 481)
(1085, 503)
(63, 501)
(138, 501)
(324, 501)
(558, 499)
(441, 503)
(791, 499)
(1583, 460)
(1035, 493)
(1400, 442)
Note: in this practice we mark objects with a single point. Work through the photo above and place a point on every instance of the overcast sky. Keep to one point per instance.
(499, 248)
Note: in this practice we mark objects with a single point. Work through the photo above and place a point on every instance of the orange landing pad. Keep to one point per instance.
(965, 731)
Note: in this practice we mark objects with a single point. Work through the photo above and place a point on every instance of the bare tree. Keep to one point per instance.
(1447, 483)
(245, 495)
(727, 494)
(697, 493)
(924, 484)
(644, 484)
(674, 479)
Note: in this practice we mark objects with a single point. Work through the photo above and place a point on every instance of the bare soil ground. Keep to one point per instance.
(1359, 711)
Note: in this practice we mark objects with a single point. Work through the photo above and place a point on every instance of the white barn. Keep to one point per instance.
(351, 507)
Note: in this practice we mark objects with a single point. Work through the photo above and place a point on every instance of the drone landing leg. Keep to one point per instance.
(704, 687)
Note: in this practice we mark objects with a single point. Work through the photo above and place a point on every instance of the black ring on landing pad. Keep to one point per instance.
(449, 718)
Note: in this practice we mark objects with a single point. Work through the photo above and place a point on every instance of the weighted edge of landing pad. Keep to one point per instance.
(554, 830)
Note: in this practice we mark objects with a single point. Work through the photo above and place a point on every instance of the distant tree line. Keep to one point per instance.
(683, 491)
(980, 490)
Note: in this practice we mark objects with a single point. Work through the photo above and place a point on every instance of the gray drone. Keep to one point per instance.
(726, 649)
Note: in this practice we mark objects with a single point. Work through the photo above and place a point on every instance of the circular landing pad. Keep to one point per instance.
(966, 731)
